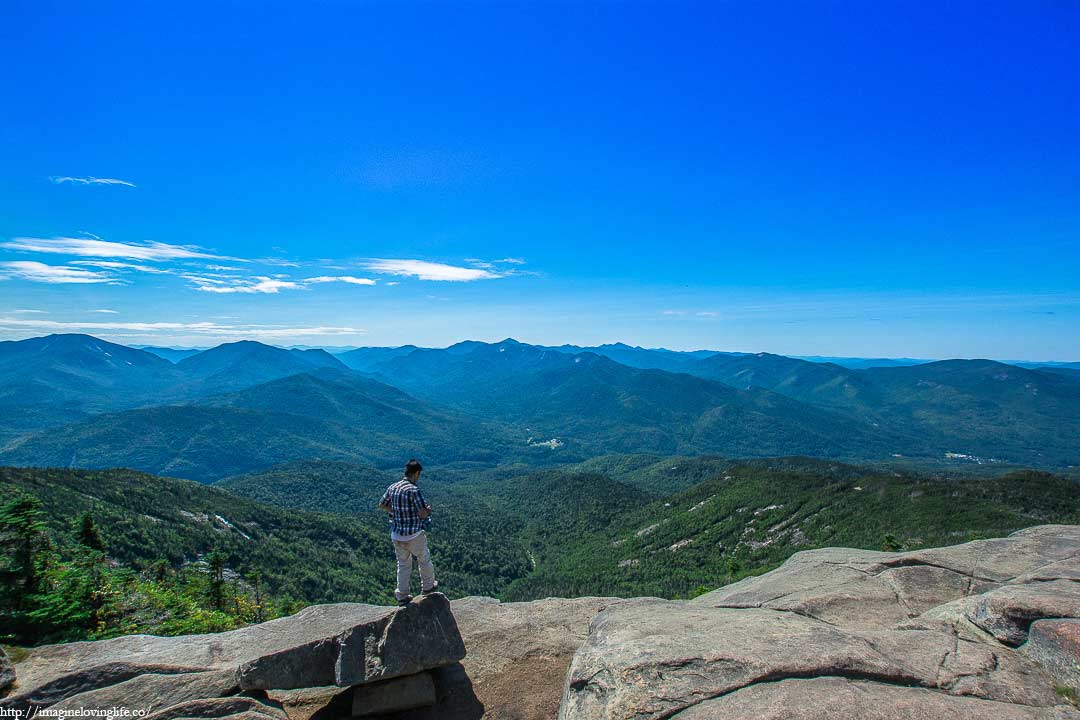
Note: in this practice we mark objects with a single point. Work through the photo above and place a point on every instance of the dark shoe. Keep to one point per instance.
(405, 600)
(433, 588)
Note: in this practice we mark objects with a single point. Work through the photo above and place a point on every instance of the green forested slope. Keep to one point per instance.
(308, 556)
(579, 522)
(754, 515)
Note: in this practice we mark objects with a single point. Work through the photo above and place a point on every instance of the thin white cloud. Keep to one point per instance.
(90, 181)
(22, 311)
(279, 262)
(97, 248)
(113, 265)
(94, 247)
(493, 265)
(429, 270)
(55, 274)
(198, 328)
(707, 313)
(106, 311)
(352, 280)
(393, 282)
(204, 280)
(259, 284)
(673, 312)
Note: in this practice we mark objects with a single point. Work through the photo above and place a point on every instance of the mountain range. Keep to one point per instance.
(79, 401)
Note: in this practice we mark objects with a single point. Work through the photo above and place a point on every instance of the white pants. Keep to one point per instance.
(407, 550)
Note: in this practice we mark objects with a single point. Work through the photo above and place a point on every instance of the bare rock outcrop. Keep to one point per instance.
(829, 698)
(518, 656)
(342, 645)
(843, 633)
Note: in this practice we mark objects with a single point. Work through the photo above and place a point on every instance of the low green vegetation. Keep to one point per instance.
(1069, 694)
(62, 585)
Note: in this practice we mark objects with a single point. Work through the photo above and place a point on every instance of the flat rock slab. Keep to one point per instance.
(654, 658)
(1068, 569)
(869, 589)
(1055, 645)
(1004, 559)
(155, 691)
(833, 698)
(340, 644)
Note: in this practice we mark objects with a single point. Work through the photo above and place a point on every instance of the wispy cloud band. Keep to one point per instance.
(196, 328)
(259, 284)
(54, 274)
(425, 270)
(349, 279)
(61, 179)
(98, 248)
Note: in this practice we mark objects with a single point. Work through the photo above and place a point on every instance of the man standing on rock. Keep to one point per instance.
(409, 516)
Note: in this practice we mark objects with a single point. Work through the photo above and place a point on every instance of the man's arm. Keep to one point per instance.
(384, 504)
(424, 511)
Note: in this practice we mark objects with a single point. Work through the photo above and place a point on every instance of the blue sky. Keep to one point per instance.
(804, 178)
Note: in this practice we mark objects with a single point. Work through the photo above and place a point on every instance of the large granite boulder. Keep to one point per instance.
(342, 645)
(516, 662)
(843, 633)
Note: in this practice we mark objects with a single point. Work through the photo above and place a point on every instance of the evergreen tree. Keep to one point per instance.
(215, 562)
(88, 534)
(23, 539)
(254, 578)
(159, 570)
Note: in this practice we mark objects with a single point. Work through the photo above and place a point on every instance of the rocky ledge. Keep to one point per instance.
(937, 633)
(989, 629)
(360, 650)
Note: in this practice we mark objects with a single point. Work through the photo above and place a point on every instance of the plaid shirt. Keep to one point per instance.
(405, 501)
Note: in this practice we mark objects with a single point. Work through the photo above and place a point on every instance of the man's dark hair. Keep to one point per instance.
(412, 467)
